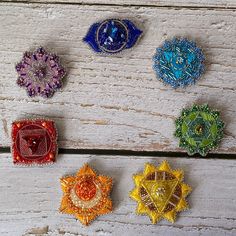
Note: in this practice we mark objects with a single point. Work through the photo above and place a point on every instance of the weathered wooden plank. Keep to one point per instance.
(116, 102)
(152, 3)
(30, 198)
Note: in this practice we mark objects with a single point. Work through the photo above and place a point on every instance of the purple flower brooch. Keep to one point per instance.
(40, 73)
(112, 36)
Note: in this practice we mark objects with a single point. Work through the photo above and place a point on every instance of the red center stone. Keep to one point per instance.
(33, 143)
(86, 190)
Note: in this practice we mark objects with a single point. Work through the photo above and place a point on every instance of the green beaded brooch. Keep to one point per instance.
(199, 129)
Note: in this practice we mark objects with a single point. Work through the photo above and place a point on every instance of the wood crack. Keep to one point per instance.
(124, 5)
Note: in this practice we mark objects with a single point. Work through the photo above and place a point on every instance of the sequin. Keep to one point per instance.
(160, 192)
(112, 36)
(179, 62)
(199, 129)
(34, 142)
(40, 73)
(86, 195)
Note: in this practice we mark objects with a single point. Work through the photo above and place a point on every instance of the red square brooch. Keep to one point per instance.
(34, 142)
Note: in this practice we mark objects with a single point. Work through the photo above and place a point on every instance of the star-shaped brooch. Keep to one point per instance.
(86, 195)
(199, 129)
(160, 192)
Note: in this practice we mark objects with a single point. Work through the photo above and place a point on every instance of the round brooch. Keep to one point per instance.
(86, 195)
(160, 192)
(40, 73)
(179, 62)
(112, 36)
(199, 129)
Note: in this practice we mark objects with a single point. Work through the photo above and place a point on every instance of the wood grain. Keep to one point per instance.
(30, 198)
(116, 102)
(151, 3)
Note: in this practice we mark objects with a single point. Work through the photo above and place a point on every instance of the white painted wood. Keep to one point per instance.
(152, 3)
(116, 102)
(30, 198)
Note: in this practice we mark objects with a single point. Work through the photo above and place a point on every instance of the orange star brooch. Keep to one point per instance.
(86, 195)
(160, 192)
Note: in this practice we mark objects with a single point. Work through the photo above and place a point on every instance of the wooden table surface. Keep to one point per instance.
(114, 114)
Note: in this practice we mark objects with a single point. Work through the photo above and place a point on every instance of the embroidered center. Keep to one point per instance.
(112, 35)
(86, 190)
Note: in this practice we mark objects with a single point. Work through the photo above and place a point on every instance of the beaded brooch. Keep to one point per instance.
(40, 73)
(112, 36)
(34, 142)
(179, 62)
(199, 129)
(86, 195)
(160, 192)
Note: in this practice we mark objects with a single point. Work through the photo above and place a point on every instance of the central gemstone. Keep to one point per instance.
(179, 62)
(160, 191)
(199, 129)
(40, 73)
(86, 190)
(33, 143)
(112, 35)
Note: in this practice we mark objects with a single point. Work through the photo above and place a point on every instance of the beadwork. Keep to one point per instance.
(160, 192)
(40, 73)
(199, 129)
(179, 62)
(112, 36)
(86, 195)
(34, 142)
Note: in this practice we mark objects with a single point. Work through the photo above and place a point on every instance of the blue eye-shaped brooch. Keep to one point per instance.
(112, 36)
(178, 62)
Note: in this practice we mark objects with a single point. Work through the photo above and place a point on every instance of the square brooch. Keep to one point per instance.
(34, 142)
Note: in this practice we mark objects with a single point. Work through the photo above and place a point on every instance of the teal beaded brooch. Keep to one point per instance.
(199, 129)
(178, 62)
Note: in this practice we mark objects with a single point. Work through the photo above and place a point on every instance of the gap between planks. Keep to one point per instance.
(111, 152)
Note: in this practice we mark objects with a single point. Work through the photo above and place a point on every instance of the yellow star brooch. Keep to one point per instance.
(86, 195)
(160, 192)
